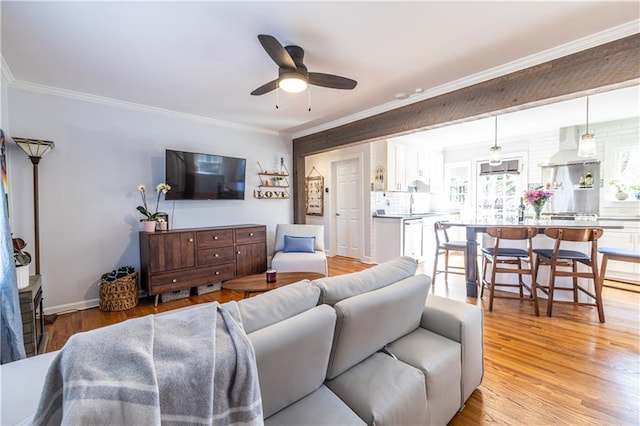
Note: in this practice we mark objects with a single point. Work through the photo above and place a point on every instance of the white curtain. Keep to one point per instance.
(11, 341)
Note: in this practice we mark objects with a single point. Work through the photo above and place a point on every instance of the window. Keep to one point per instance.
(499, 190)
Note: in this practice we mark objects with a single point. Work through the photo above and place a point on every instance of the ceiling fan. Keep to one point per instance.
(293, 75)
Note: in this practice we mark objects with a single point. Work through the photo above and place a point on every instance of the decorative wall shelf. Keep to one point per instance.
(273, 185)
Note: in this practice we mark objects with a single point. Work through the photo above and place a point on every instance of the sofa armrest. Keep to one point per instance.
(462, 323)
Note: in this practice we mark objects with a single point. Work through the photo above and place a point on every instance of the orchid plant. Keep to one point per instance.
(162, 188)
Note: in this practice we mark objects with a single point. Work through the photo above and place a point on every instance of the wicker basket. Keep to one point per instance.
(119, 294)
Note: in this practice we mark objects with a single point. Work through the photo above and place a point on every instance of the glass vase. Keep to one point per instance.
(537, 208)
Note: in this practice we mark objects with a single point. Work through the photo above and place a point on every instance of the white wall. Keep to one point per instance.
(88, 185)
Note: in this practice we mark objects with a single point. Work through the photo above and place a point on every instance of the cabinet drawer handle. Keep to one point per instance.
(251, 234)
(174, 280)
(237, 252)
(215, 238)
(190, 240)
(217, 272)
(216, 255)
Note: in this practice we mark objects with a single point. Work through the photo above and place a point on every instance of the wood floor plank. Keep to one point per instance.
(565, 370)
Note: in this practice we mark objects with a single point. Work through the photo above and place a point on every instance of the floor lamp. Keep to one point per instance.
(35, 149)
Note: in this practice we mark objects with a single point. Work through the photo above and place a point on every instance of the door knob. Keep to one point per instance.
(337, 214)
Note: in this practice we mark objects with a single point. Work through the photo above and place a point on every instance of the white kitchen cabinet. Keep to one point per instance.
(625, 239)
(430, 169)
(392, 158)
(388, 238)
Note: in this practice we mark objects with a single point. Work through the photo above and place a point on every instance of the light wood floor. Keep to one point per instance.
(565, 370)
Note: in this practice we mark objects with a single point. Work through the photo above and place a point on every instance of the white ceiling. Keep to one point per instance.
(203, 58)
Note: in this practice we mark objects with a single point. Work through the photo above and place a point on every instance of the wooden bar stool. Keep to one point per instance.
(445, 246)
(500, 256)
(558, 257)
(621, 255)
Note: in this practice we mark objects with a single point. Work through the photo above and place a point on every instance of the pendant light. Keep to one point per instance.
(494, 159)
(587, 144)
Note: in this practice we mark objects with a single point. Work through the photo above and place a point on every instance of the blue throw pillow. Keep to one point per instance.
(299, 244)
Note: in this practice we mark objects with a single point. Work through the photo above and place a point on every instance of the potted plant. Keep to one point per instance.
(22, 260)
(621, 193)
(151, 218)
(636, 190)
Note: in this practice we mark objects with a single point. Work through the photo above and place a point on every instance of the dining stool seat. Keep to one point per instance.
(509, 260)
(562, 254)
(505, 252)
(620, 255)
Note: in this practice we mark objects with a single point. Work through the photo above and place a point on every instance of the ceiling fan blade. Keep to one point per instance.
(276, 51)
(265, 88)
(332, 81)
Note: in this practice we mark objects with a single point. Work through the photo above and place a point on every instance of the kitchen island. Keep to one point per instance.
(473, 228)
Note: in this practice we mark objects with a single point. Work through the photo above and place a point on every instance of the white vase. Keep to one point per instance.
(621, 195)
(22, 273)
(149, 225)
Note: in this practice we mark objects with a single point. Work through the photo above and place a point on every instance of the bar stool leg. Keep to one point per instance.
(493, 280)
(552, 283)
(534, 285)
(575, 282)
(597, 284)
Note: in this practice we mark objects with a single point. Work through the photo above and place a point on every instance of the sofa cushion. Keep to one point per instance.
(321, 407)
(335, 289)
(299, 230)
(268, 308)
(367, 322)
(439, 360)
(300, 262)
(292, 357)
(294, 244)
(384, 391)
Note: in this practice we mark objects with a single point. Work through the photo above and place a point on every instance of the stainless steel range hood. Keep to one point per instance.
(568, 153)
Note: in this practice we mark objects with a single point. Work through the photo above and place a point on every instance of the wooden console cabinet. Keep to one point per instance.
(183, 258)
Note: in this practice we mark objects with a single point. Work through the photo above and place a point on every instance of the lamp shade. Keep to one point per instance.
(494, 158)
(587, 146)
(34, 148)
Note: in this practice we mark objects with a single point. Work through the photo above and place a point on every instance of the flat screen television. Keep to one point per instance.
(196, 176)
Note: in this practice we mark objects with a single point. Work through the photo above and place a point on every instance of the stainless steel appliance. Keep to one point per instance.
(572, 194)
(575, 181)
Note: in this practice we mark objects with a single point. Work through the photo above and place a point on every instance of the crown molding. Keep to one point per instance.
(575, 46)
(102, 100)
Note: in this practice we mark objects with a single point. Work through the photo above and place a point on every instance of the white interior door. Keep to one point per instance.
(348, 195)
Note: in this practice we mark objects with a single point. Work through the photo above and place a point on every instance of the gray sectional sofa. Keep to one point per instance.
(364, 348)
(371, 347)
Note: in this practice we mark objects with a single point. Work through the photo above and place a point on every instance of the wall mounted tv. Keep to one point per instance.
(194, 176)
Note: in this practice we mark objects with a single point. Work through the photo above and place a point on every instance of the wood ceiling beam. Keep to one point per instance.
(601, 68)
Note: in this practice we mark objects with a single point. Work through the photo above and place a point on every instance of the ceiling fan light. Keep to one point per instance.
(587, 145)
(292, 84)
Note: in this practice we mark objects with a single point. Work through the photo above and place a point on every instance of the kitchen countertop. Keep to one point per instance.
(413, 216)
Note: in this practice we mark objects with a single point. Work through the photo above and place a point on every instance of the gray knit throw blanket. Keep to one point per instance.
(193, 366)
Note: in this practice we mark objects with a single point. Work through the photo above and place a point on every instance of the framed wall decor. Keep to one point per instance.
(314, 195)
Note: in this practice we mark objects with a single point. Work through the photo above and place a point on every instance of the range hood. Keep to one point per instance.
(568, 153)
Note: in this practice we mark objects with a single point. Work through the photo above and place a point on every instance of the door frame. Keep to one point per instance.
(359, 157)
